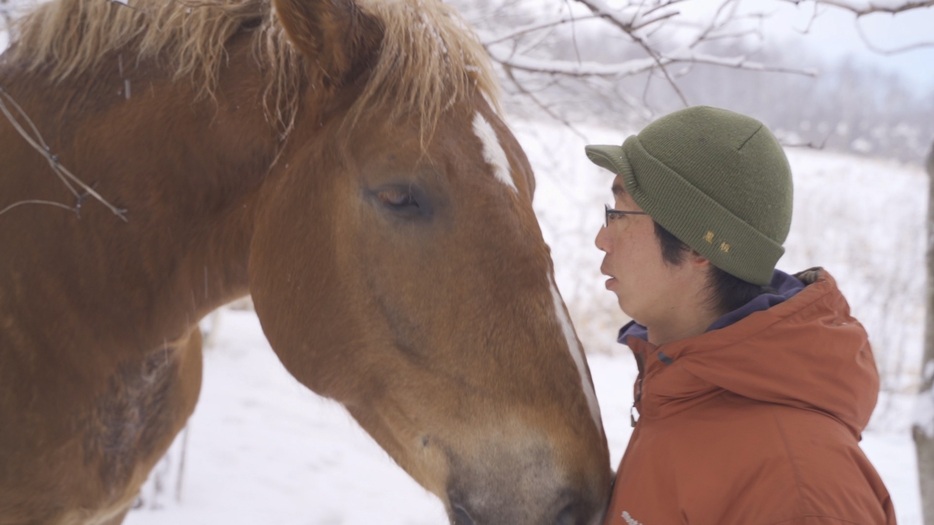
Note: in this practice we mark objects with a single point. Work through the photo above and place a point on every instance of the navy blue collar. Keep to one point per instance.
(782, 288)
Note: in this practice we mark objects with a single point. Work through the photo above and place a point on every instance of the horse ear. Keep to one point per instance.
(335, 34)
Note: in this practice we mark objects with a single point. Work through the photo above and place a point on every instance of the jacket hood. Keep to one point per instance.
(804, 351)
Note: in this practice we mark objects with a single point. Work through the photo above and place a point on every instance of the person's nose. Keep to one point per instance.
(601, 240)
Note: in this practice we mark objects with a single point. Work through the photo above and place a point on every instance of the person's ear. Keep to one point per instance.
(697, 260)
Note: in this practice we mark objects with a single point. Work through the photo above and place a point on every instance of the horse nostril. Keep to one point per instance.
(461, 516)
(569, 515)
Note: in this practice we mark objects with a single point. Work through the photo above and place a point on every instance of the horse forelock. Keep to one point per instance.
(428, 60)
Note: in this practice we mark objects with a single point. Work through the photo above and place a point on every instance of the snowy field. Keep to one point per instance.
(263, 450)
(260, 449)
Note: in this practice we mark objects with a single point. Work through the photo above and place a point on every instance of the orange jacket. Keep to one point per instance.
(756, 423)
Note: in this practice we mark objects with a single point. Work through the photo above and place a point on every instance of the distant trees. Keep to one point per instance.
(583, 60)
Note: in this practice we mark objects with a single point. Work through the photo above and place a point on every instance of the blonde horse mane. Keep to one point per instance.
(428, 60)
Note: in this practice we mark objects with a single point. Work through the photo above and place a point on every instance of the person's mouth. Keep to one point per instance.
(611, 279)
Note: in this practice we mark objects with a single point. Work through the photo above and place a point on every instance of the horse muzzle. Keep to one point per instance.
(527, 490)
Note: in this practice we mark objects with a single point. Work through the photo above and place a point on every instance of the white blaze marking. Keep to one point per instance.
(576, 352)
(493, 152)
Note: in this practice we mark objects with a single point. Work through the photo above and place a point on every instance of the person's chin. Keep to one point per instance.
(624, 305)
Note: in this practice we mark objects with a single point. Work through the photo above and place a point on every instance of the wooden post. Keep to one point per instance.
(923, 427)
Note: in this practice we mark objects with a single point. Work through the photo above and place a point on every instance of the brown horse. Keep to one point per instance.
(346, 165)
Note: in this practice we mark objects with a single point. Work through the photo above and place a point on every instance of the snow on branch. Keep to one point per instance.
(575, 69)
(861, 8)
(651, 28)
(632, 17)
(634, 66)
(548, 49)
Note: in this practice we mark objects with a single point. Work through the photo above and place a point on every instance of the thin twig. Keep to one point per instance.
(544, 107)
(39, 144)
(630, 29)
(538, 27)
(894, 51)
(38, 201)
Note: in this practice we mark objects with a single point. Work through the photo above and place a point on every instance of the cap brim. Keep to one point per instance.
(608, 157)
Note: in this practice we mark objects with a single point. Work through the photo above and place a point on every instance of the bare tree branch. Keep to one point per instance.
(610, 61)
(892, 51)
(860, 8)
(531, 28)
(541, 105)
(635, 66)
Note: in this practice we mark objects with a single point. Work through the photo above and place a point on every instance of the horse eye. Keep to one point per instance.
(397, 198)
(406, 201)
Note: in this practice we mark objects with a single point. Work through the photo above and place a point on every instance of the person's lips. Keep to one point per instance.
(611, 279)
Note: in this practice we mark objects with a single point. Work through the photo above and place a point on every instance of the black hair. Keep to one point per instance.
(727, 292)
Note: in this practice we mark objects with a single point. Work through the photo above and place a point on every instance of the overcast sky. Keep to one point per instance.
(835, 33)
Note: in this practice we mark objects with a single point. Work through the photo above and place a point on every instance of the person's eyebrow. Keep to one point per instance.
(618, 190)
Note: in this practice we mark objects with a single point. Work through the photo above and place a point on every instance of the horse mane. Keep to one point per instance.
(429, 59)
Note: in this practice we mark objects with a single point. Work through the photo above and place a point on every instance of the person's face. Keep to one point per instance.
(647, 288)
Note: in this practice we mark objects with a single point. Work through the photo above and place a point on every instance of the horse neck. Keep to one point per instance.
(185, 168)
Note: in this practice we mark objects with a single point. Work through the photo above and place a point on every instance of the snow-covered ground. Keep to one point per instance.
(263, 450)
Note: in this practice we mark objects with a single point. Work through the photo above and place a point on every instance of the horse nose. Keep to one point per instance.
(563, 511)
(531, 481)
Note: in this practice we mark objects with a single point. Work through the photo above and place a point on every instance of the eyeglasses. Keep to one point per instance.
(612, 214)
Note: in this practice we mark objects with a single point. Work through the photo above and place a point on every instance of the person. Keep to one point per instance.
(753, 385)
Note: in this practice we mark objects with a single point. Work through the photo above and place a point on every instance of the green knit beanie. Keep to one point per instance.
(717, 180)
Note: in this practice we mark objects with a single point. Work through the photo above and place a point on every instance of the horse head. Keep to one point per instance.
(397, 267)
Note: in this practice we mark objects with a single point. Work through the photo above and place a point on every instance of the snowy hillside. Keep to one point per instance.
(263, 450)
